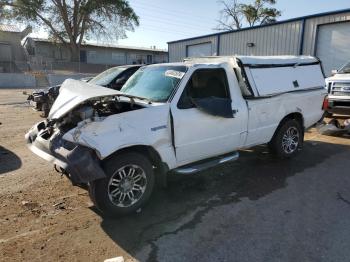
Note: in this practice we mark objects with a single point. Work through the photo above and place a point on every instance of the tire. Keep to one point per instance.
(45, 110)
(127, 175)
(288, 139)
(38, 106)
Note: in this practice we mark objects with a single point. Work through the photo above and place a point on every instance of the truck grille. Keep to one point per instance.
(340, 88)
(341, 93)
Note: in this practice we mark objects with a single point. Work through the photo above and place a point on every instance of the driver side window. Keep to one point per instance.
(204, 83)
(122, 78)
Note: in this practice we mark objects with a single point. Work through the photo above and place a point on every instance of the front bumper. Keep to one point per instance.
(338, 105)
(79, 162)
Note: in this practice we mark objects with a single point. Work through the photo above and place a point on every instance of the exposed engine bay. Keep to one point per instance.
(92, 109)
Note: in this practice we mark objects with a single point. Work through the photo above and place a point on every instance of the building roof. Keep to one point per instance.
(107, 46)
(265, 25)
(10, 28)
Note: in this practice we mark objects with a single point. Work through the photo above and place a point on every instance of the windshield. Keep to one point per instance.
(154, 83)
(107, 76)
(345, 69)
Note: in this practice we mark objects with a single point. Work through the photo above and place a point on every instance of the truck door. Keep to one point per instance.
(199, 134)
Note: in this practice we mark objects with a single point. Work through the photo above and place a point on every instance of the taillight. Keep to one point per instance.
(325, 105)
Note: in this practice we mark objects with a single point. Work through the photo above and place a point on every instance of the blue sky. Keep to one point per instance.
(166, 20)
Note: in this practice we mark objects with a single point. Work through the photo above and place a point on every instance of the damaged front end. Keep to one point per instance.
(43, 99)
(46, 139)
(79, 163)
(37, 98)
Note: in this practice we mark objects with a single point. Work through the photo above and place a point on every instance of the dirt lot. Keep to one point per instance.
(257, 209)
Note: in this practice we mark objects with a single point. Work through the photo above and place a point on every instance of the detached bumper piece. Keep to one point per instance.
(334, 128)
(80, 163)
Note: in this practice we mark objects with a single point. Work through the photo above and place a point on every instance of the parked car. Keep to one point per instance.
(114, 78)
(177, 118)
(338, 87)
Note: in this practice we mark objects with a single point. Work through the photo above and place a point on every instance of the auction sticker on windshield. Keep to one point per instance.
(174, 73)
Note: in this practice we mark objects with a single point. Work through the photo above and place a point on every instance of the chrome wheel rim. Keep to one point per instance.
(290, 140)
(127, 185)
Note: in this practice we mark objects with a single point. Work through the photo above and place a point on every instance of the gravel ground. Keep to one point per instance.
(256, 209)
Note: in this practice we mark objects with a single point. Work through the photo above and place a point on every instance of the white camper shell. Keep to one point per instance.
(177, 118)
(272, 75)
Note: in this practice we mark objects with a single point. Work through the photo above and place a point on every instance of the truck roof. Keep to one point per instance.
(277, 60)
(255, 60)
(249, 61)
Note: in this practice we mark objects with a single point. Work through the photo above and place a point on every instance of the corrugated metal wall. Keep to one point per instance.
(177, 51)
(311, 26)
(280, 39)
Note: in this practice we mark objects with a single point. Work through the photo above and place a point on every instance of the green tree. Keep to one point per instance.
(235, 13)
(72, 21)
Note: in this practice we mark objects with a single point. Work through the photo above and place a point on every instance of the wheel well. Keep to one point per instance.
(296, 116)
(161, 168)
(147, 151)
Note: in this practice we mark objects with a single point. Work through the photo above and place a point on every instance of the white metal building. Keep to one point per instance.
(325, 35)
(47, 50)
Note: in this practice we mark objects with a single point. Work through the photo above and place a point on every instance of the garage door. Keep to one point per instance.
(199, 50)
(333, 45)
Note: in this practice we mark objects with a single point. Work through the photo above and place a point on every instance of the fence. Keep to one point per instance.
(17, 80)
(26, 74)
(68, 67)
(52, 67)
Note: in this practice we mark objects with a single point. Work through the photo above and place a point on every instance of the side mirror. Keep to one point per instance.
(214, 106)
(334, 72)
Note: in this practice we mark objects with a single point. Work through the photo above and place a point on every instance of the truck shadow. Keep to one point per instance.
(186, 199)
(9, 161)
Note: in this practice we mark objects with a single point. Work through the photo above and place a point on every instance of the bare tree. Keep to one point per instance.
(234, 14)
(71, 21)
(230, 16)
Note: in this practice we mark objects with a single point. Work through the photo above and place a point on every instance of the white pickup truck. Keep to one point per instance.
(338, 86)
(176, 118)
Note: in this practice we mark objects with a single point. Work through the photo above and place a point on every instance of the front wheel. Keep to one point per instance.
(45, 110)
(128, 184)
(288, 139)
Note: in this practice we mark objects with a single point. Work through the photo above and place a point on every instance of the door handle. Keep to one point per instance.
(234, 112)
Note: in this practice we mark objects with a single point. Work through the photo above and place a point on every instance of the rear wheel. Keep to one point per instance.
(288, 139)
(128, 184)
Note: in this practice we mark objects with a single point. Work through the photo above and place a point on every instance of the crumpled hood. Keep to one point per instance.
(147, 126)
(73, 93)
(340, 77)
